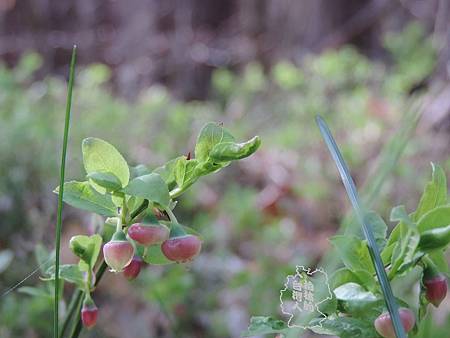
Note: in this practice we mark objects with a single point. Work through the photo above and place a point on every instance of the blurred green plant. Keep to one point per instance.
(351, 91)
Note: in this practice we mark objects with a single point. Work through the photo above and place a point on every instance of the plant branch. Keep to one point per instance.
(140, 209)
(77, 320)
(171, 215)
(74, 304)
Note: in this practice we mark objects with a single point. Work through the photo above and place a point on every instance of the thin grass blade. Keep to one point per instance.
(372, 246)
(61, 189)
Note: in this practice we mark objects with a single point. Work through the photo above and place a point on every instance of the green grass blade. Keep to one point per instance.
(372, 246)
(61, 189)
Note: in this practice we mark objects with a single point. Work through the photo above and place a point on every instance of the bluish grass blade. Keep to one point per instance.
(367, 230)
(61, 190)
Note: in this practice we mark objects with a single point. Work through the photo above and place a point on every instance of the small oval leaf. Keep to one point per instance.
(151, 187)
(100, 156)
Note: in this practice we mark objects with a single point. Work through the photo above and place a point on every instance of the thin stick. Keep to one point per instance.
(372, 246)
(61, 190)
(76, 329)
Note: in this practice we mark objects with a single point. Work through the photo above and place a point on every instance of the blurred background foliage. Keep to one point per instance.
(258, 218)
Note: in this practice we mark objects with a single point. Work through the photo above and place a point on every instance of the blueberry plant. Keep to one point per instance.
(414, 249)
(140, 226)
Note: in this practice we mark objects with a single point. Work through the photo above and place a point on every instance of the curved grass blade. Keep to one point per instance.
(372, 246)
(61, 192)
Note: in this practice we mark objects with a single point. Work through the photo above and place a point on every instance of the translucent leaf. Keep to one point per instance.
(100, 156)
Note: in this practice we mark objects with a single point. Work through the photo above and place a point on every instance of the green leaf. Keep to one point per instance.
(35, 292)
(109, 228)
(107, 180)
(434, 194)
(210, 135)
(399, 214)
(344, 327)
(379, 228)
(139, 170)
(133, 202)
(69, 272)
(100, 156)
(229, 151)
(437, 218)
(87, 248)
(206, 168)
(187, 229)
(437, 238)
(264, 325)
(395, 234)
(150, 218)
(185, 173)
(151, 187)
(404, 255)
(353, 252)
(439, 259)
(386, 254)
(44, 257)
(353, 299)
(361, 277)
(82, 196)
(153, 255)
(167, 171)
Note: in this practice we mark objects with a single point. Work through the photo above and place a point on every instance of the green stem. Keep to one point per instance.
(176, 192)
(61, 191)
(78, 326)
(139, 210)
(171, 215)
(120, 221)
(124, 211)
(173, 194)
(75, 302)
(77, 320)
